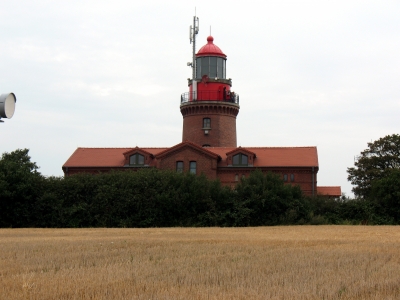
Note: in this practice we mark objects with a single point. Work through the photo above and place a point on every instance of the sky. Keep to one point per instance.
(110, 74)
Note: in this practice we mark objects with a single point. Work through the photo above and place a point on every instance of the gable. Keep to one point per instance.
(182, 147)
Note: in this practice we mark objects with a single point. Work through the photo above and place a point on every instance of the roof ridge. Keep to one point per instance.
(122, 147)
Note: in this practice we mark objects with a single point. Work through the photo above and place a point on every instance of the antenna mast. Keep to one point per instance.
(194, 30)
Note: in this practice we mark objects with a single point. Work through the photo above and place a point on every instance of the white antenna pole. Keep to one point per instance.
(193, 32)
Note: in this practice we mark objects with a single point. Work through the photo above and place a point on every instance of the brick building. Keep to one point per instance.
(209, 143)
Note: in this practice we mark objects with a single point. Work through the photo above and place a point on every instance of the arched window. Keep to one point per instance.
(136, 160)
(240, 160)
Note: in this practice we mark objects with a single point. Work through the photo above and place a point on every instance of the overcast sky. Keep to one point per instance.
(110, 74)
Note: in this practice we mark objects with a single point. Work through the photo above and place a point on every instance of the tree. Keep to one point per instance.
(375, 163)
(20, 186)
(386, 193)
(264, 199)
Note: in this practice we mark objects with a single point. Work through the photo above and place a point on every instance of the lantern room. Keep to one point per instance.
(210, 61)
(210, 82)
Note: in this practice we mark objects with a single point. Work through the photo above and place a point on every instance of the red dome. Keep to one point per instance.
(210, 49)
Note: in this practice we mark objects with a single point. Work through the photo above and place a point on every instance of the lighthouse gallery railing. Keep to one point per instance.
(209, 96)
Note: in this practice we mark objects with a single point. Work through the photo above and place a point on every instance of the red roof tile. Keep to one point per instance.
(186, 144)
(276, 156)
(329, 191)
(265, 156)
(102, 157)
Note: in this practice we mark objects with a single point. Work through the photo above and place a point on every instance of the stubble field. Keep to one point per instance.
(291, 262)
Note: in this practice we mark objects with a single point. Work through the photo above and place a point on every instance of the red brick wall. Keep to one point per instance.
(205, 164)
(302, 177)
(223, 124)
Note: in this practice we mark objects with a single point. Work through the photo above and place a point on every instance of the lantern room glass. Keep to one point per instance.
(212, 66)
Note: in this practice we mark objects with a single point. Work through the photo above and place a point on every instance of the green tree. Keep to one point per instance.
(386, 193)
(20, 186)
(375, 163)
(264, 199)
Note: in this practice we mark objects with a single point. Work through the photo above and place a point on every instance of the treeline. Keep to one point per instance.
(154, 198)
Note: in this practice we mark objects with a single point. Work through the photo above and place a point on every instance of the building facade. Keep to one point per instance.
(209, 142)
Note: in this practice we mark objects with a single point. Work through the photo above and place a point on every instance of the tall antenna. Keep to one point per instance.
(193, 31)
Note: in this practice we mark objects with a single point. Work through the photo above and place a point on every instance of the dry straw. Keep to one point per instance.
(303, 262)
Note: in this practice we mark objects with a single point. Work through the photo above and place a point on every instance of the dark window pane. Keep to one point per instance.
(193, 167)
(140, 159)
(179, 166)
(236, 159)
(291, 177)
(206, 123)
(213, 67)
(220, 62)
(244, 160)
(132, 159)
(204, 66)
(285, 177)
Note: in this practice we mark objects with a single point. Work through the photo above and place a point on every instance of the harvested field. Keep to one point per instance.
(291, 262)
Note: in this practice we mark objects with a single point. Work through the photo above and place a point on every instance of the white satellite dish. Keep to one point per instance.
(7, 105)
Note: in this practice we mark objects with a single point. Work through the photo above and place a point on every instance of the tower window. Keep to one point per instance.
(192, 167)
(136, 160)
(240, 160)
(206, 123)
(179, 166)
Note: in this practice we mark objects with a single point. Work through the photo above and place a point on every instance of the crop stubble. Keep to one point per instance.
(289, 262)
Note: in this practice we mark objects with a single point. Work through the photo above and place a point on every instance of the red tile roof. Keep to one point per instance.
(265, 156)
(186, 144)
(276, 156)
(334, 191)
(102, 157)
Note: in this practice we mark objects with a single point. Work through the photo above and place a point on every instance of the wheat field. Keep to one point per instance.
(288, 262)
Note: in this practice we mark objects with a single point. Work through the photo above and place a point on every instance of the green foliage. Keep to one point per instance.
(155, 198)
(375, 163)
(264, 199)
(385, 193)
(20, 186)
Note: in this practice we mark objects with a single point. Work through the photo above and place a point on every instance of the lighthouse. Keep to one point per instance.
(210, 107)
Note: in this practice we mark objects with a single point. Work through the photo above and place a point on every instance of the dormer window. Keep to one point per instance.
(240, 160)
(136, 160)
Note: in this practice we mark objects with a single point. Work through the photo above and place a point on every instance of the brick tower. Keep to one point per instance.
(210, 107)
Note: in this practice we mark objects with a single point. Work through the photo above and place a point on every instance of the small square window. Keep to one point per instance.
(206, 123)
(179, 166)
